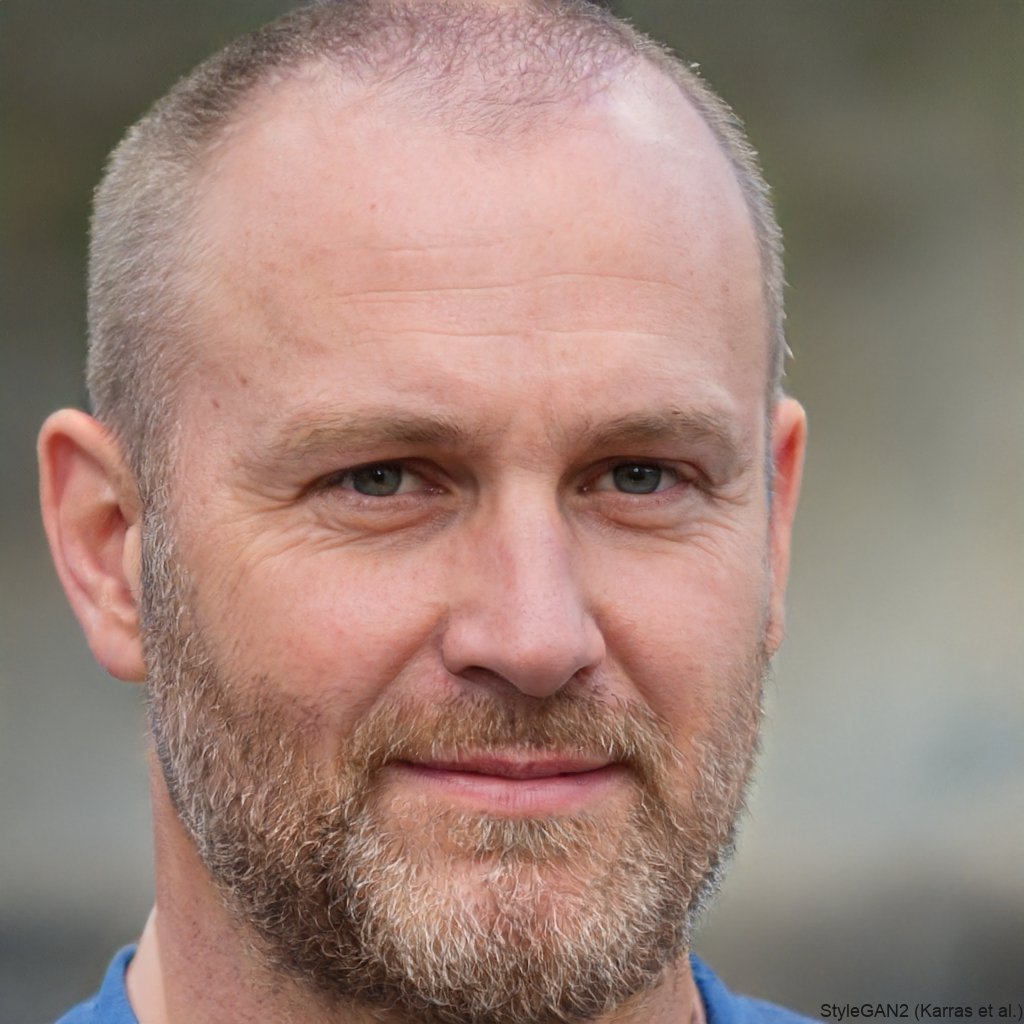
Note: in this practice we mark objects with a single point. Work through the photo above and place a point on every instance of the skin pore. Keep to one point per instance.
(475, 431)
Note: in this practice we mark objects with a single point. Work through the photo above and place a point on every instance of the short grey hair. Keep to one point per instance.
(480, 66)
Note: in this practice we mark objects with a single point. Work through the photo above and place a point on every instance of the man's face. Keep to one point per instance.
(460, 607)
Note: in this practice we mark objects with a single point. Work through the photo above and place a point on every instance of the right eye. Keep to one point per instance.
(377, 480)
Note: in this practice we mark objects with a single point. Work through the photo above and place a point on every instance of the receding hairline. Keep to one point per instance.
(560, 54)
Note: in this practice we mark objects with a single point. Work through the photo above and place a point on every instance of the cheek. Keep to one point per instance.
(686, 633)
(323, 628)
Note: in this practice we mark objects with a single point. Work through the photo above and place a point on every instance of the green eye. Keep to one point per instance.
(380, 481)
(637, 478)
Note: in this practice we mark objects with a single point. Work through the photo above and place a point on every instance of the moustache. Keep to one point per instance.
(571, 726)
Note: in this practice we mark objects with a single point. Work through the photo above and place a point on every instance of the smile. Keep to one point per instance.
(528, 787)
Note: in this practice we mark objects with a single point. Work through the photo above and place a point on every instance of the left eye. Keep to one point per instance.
(637, 478)
(380, 480)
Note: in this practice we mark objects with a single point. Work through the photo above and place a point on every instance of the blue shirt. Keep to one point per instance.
(110, 1004)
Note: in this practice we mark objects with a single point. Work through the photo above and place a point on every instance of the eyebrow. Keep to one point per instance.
(709, 430)
(711, 427)
(307, 437)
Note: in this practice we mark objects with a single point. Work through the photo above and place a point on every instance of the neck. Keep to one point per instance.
(194, 962)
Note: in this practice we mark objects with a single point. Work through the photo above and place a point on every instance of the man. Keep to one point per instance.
(440, 491)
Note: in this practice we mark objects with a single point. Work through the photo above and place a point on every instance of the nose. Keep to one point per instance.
(518, 611)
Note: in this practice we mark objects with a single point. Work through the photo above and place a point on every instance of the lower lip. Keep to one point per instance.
(548, 794)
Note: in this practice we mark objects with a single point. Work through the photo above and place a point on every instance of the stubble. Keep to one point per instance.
(373, 897)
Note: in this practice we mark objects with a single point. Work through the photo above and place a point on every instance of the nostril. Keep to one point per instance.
(486, 658)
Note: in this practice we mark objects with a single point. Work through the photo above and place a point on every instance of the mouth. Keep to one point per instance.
(514, 785)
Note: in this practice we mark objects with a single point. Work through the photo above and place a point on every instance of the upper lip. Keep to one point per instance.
(516, 767)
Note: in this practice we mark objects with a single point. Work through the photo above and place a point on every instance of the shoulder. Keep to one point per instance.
(724, 1007)
(109, 1005)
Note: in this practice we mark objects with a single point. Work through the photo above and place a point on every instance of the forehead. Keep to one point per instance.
(636, 144)
(333, 225)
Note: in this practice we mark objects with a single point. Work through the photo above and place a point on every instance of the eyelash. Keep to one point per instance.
(691, 479)
(334, 481)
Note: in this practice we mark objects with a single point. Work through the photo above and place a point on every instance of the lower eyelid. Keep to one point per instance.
(417, 482)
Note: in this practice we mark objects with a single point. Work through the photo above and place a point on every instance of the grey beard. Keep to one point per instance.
(447, 917)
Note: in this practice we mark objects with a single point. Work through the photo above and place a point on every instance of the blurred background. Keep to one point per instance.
(883, 857)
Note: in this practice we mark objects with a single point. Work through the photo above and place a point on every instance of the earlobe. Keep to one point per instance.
(91, 513)
(789, 443)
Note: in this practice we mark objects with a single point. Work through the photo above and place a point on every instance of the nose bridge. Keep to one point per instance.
(535, 562)
(523, 613)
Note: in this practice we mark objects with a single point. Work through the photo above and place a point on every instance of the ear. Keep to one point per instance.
(92, 515)
(789, 442)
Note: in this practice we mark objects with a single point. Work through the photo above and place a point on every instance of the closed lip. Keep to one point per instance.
(514, 768)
